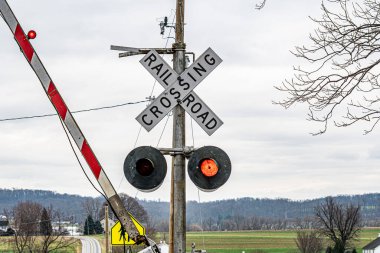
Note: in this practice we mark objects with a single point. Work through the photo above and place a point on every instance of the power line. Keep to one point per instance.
(84, 171)
(78, 111)
(78, 160)
(163, 130)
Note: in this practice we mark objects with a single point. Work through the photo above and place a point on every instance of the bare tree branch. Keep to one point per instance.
(308, 242)
(29, 235)
(345, 70)
(339, 223)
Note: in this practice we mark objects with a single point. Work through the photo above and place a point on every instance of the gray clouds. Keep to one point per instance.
(272, 153)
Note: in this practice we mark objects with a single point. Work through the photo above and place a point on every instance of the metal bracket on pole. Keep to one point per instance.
(186, 151)
(130, 51)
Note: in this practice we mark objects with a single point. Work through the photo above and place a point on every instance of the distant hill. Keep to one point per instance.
(70, 205)
(277, 211)
(215, 212)
(283, 208)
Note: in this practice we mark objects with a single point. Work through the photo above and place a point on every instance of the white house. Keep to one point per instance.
(372, 247)
(110, 223)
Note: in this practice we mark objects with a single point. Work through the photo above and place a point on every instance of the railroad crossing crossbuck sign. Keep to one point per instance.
(178, 90)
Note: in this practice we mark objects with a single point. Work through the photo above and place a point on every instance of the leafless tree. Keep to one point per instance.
(151, 229)
(239, 221)
(280, 224)
(163, 226)
(26, 221)
(254, 223)
(138, 211)
(307, 222)
(93, 207)
(208, 223)
(341, 85)
(132, 206)
(57, 239)
(228, 225)
(340, 223)
(308, 242)
(28, 236)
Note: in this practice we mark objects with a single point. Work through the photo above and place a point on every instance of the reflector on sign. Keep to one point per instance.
(32, 35)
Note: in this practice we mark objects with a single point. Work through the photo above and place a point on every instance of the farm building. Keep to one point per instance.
(110, 223)
(372, 247)
(3, 223)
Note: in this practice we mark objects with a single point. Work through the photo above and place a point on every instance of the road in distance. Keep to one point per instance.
(90, 245)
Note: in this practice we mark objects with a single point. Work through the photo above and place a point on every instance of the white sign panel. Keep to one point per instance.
(159, 69)
(178, 89)
(192, 103)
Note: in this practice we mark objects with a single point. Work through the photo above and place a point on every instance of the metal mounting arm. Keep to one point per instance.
(186, 151)
(136, 51)
(131, 51)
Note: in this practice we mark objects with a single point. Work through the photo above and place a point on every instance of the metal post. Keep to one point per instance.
(106, 228)
(177, 241)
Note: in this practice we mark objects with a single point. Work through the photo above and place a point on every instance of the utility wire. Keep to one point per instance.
(79, 162)
(34, 222)
(78, 111)
(85, 173)
(192, 131)
(201, 217)
(162, 133)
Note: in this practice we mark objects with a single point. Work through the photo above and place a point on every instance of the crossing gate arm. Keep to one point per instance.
(70, 123)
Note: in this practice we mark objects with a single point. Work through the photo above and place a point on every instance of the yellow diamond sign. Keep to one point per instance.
(120, 237)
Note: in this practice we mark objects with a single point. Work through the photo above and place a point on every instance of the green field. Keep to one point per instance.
(258, 241)
(235, 242)
(6, 246)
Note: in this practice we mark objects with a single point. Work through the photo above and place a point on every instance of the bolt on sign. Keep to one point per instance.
(179, 90)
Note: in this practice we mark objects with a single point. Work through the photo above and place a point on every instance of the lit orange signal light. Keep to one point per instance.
(209, 167)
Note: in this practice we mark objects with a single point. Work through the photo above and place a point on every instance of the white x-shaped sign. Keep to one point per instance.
(178, 90)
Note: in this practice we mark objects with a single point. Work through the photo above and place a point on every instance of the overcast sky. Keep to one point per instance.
(272, 153)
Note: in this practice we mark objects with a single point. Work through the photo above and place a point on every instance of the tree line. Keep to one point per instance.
(232, 214)
(31, 220)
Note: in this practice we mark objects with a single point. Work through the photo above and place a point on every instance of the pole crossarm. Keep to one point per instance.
(130, 51)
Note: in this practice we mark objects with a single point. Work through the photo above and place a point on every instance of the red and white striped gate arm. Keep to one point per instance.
(56, 98)
(66, 116)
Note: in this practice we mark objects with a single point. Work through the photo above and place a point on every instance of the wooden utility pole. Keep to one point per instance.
(106, 228)
(177, 228)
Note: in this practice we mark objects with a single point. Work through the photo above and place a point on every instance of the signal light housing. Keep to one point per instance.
(209, 168)
(145, 168)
